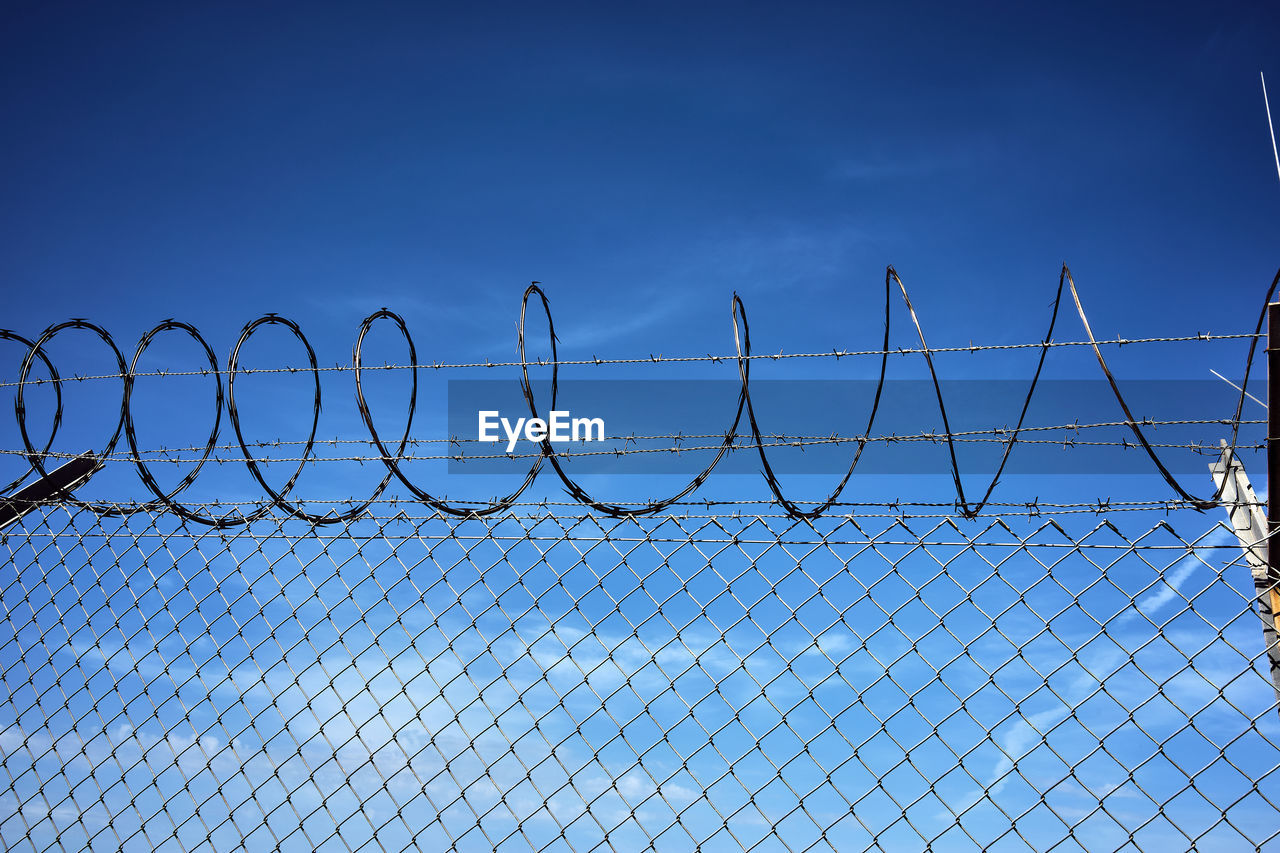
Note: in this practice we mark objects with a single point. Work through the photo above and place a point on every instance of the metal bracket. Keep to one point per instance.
(56, 486)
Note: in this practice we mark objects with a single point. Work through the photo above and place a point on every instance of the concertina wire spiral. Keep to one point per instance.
(278, 498)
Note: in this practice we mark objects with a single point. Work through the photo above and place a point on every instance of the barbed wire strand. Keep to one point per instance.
(782, 439)
(741, 509)
(658, 358)
(792, 442)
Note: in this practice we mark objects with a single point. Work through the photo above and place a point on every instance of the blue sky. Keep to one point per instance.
(644, 163)
(213, 164)
(221, 162)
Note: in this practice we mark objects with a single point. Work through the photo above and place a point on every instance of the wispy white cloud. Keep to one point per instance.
(660, 311)
(777, 255)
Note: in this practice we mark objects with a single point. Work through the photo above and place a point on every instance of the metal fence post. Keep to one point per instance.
(1266, 587)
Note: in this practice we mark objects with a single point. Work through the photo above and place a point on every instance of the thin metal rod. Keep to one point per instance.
(1274, 151)
(1237, 387)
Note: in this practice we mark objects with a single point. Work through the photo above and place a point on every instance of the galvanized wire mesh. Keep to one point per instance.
(551, 679)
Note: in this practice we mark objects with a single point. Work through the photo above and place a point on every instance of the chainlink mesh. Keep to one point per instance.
(555, 680)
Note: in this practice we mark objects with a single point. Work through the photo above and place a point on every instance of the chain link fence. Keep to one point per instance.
(396, 670)
(704, 679)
